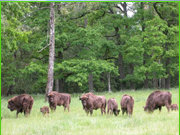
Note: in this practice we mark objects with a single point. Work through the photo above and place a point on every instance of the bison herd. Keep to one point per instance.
(90, 102)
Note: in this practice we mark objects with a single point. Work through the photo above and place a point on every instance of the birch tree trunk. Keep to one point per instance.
(50, 78)
(109, 82)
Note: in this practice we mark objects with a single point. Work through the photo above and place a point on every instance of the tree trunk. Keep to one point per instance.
(50, 79)
(163, 83)
(61, 90)
(132, 84)
(90, 80)
(10, 90)
(167, 83)
(60, 80)
(155, 83)
(146, 82)
(121, 71)
(109, 82)
(57, 85)
(167, 80)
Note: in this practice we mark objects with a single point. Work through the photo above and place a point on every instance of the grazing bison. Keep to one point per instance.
(127, 104)
(59, 99)
(156, 100)
(45, 110)
(92, 102)
(174, 107)
(113, 107)
(21, 103)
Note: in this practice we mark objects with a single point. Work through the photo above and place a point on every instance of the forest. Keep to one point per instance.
(99, 46)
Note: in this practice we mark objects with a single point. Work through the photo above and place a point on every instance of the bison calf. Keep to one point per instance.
(174, 107)
(45, 110)
(156, 100)
(113, 107)
(21, 103)
(127, 104)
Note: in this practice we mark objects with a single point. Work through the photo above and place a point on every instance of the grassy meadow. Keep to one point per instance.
(77, 122)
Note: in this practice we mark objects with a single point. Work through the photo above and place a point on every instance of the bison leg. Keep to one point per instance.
(91, 112)
(160, 108)
(122, 111)
(167, 106)
(17, 113)
(111, 111)
(101, 111)
(104, 110)
(108, 111)
(64, 108)
(68, 108)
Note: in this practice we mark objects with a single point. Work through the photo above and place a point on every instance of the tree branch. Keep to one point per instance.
(118, 7)
(154, 5)
(29, 15)
(43, 48)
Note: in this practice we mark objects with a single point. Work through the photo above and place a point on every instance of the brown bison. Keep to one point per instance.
(174, 107)
(92, 102)
(112, 105)
(59, 99)
(156, 100)
(127, 104)
(21, 103)
(86, 95)
(45, 110)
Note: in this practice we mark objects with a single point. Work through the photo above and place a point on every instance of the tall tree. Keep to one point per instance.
(50, 79)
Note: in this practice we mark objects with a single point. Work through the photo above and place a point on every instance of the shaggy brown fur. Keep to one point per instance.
(92, 102)
(45, 110)
(21, 103)
(157, 99)
(59, 99)
(127, 104)
(112, 105)
(174, 107)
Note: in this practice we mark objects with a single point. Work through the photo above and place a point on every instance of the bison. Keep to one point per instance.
(45, 110)
(92, 102)
(127, 104)
(21, 103)
(59, 99)
(113, 107)
(156, 100)
(174, 107)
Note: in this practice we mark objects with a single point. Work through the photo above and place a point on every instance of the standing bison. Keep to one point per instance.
(21, 103)
(156, 100)
(127, 104)
(113, 107)
(92, 102)
(59, 99)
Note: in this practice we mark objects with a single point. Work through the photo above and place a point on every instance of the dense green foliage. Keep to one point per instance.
(77, 122)
(136, 43)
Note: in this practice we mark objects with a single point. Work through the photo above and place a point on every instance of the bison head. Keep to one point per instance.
(51, 97)
(84, 101)
(11, 105)
(148, 109)
(116, 112)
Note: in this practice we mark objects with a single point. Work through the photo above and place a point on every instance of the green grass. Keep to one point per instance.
(77, 122)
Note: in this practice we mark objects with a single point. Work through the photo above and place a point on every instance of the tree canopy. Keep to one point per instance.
(124, 45)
